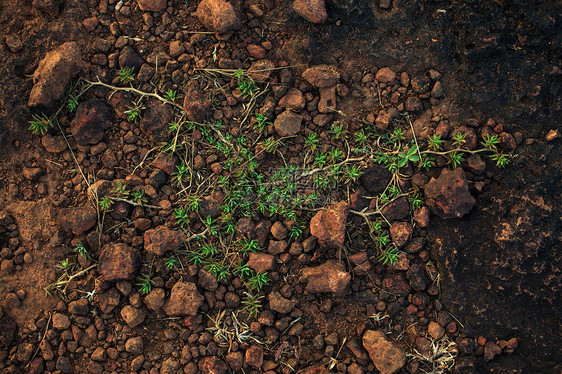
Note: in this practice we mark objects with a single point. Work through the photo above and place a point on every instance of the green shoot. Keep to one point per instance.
(170, 95)
(171, 262)
(105, 204)
(389, 255)
(145, 284)
(126, 75)
(258, 280)
(182, 216)
(40, 124)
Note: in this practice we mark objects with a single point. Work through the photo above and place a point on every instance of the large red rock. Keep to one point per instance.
(329, 225)
(221, 16)
(328, 277)
(118, 262)
(54, 73)
(288, 123)
(448, 196)
(312, 10)
(184, 300)
(388, 357)
(160, 240)
(79, 219)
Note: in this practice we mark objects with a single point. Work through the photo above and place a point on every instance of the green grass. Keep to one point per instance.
(126, 75)
(40, 124)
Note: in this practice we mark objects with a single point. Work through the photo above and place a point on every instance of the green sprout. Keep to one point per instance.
(252, 304)
(210, 223)
(351, 174)
(133, 113)
(138, 197)
(105, 204)
(456, 158)
(459, 139)
(311, 142)
(435, 142)
(261, 123)
(242, 270)
(171, 262)
(82, 251)
(416, 200)
(410, 155)
(246, 246)
(145, 283)
(490, 142)
(389, 255)
(170, 95)
(120, 191)
(40, 124)
(258, 280)
(219, 270)
(182, 216)
(297, 229)
(181, 174)
(65, 265)
(126, 75)
(501, 159)
(338, 130)
(72, 103)
(361, 137)
(246, 85)
(193, 203)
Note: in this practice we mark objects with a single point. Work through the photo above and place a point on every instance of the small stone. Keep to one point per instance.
(14, 43)
(312, 10)
(156, 121)
(279, 231)
(261, 262)
(421, 216)
(400, 233)
(386, 76)
(328, 277)
(118, 262)
(396, 284)
(293, 99)
(221, 16)
(329, 225)
(99, 354)
(448, 196)
(161, 240)
(155, 299)
(388, 357)
(152, 5)
(491, 349)
(207, 281)
(280, 304)
(50, 7)
(63, 365)
(435, 330)
(552, 135)
(254, 356)
(184, 300)
(60, 321)
(79, 307)
(196, 103)
(92, 118)
(132, 316)
(212, 365)
(322, 76)
(287, 123)
(169, 366)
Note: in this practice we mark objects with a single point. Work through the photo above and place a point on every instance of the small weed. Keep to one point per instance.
(311, 142)
(105, 204)
(182, 216)
(72, 103)
(459, 139)
(456, 158)
(246, 246)
(133, 113)
(120, 191)
(435, 142)
(242, 270)
(257, 281)
(65, 265)
(138, 197)
(389, 255)
(171, 95)
(501, 159)
(361, 137)
(338, 130)
(219, 270)
(261, 123)
(416, 200)
(297, 229)
(171, 262)
(181, 174)
(126, 75)
(40, 124)
(193, 203)
(252, 304)
(82, 251)
(490, 142)
(145, 284)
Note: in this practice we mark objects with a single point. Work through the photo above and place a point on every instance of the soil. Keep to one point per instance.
(499, 265)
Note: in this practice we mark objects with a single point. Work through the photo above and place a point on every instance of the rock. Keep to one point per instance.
(129, 58)
(79, 219)
(99, 354)
(14, 43)
(184, 300)
(261, 70)
(54, 73)
(279, 231)
(328, 277)
(156, 121)
(280, 304)
(63, 365)
(375, 179)
(312, 10)
(491, 349)
(388, 357)
(287, 123)
(396, 284)
(448, 196)
(210, 205)
(92, 118)
(60, 321)
(79, 307)
(8, 329)
(435, 330)
(322, 76)
(212, 365)
(327, 103)
(36, 366)
(254, 356)
(169, 366)
(552, 135)
(155, 299)
(386, 76)
(256, 51)
(50, 7)
(108, 300)
(400, 233)
(417, 278)
(53, 144)
(133, 316)
(235, 360)
(276, 247)
(437, 91)
(293, 99)
(165, 162)
(261, 262)
(329, 225)
(421, 216)
(118, 262)
(413, 104)
(152, 5)
(161, 240)
(220, 16)
(385, 117)
(196, 103)
(207, 281)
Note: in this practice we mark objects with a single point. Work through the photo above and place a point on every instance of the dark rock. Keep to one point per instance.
(53, 75)
(491, 349)
(152, 5)
(118, 262)
(207, 280)
(210, 205)
(196, 103)
(261, 262)
(184, 300)
(254, 356)
(92, 118)
(169, 366)
(133, 316)
(64, 365)
(156, 120)
(396, 284)
(293, 99)
(388, 357)
(79, 307)
(375, 179)
(221, 16)
(386, 75)
(108, 300)
(8, 329)
(161, 240)
(417, 278)
(79, 219)
(328, 277)
(413, 105)
(50, 7)
(448, 196)
(129, 58)
(397, 209)
(329, 225)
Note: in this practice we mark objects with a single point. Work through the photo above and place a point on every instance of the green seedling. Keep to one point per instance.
(40, 124)
(261, 123)
(456, 158)
(181, 174)
(257, 281)
(252, 304)
(105, 204)
(171, 262)
(243, 271)
(133, 113)
(138, 197)
(126, 75)
(435, 142)
(170, 95)
(182, 216)
(145, 284)
(248, 246)
(82, 251)
(459, 139)
(389, 255)
(311, 142)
